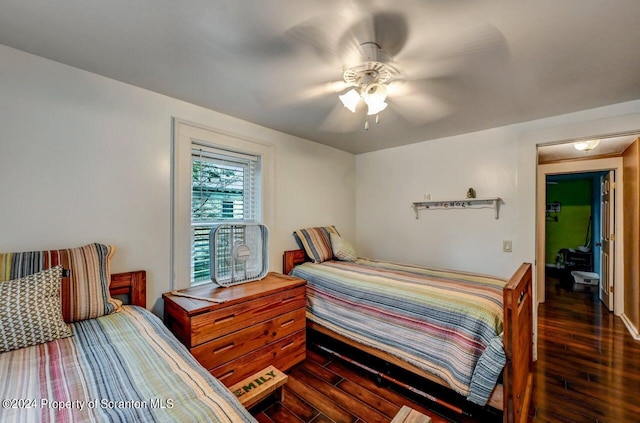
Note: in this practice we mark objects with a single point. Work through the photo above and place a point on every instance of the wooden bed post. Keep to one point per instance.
(518, 345)
(292, 258)
(133, 284)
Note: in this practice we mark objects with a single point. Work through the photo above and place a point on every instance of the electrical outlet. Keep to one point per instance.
(506, 246)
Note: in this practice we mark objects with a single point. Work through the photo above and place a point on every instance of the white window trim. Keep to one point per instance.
(184, 133)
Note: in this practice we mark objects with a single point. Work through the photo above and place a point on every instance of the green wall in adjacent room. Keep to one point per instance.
(571, 228)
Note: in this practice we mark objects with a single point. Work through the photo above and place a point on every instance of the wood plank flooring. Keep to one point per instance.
(322, 389)
(588, 370)
(588, 367)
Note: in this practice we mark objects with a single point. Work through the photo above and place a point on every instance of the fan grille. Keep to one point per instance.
(238, 253)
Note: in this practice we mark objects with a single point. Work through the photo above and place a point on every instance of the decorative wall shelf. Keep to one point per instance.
(467, 203)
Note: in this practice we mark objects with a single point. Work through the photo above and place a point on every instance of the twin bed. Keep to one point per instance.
(460, 330)
(124, 366)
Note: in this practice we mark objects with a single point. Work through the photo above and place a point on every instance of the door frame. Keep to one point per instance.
(581, 166)
(607, 183)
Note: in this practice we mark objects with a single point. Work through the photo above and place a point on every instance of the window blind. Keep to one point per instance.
(225, 187)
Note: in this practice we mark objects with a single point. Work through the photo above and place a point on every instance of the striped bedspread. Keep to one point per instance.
(124, 367)
(445, 322)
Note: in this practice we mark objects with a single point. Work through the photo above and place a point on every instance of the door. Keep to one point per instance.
(608, 239)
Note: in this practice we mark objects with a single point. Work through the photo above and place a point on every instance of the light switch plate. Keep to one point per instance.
(506, 246)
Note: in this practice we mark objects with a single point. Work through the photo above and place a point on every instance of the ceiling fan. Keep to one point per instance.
(369, 80)
(372, 79)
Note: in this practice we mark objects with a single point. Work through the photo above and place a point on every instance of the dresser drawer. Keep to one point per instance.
(282, 354)
(236, 344)
(219, 322)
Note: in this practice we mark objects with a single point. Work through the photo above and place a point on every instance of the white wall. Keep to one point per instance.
(497, 162)
(84, 158)
(389, 181)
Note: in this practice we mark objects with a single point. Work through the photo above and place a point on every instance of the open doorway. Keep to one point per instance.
(579, 222)
(582, 252)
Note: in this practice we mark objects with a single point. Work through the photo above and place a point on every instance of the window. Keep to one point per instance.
(217, 177)
(225, 186)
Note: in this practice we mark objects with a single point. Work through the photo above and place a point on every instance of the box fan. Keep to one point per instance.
(238, 253)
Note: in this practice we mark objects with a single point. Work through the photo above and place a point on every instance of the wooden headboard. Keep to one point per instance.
(133, 284)
(292, 258)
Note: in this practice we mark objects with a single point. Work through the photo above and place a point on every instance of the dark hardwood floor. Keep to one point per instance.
(588, 370)
(323, 389)
(588, 367)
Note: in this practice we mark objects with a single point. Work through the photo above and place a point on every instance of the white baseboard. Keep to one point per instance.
(630, 327)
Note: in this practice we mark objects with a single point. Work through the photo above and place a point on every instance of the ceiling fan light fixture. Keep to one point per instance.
(375, 108)
(369, 79)
(350, 99)
(375, 95)
(586, 146)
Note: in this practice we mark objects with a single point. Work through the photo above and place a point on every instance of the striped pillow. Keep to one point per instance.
(30, 311)
(316, 242)
(342, 249)
(85, 294)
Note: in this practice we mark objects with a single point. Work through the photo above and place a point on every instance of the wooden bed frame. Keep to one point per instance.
(514, 395)
(133, 284)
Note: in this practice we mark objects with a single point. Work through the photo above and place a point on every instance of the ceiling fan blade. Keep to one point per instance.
(418, 107)
(387, 29)
(321, 34)
(469, 50)
(343, 121)
(337, 37)
(300, 95)
(483, 40)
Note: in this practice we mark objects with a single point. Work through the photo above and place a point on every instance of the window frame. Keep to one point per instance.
(185, 134)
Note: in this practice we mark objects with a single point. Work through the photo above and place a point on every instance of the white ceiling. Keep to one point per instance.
(471, 64)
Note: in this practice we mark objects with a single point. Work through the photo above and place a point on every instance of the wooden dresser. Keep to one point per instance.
(259, 324)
